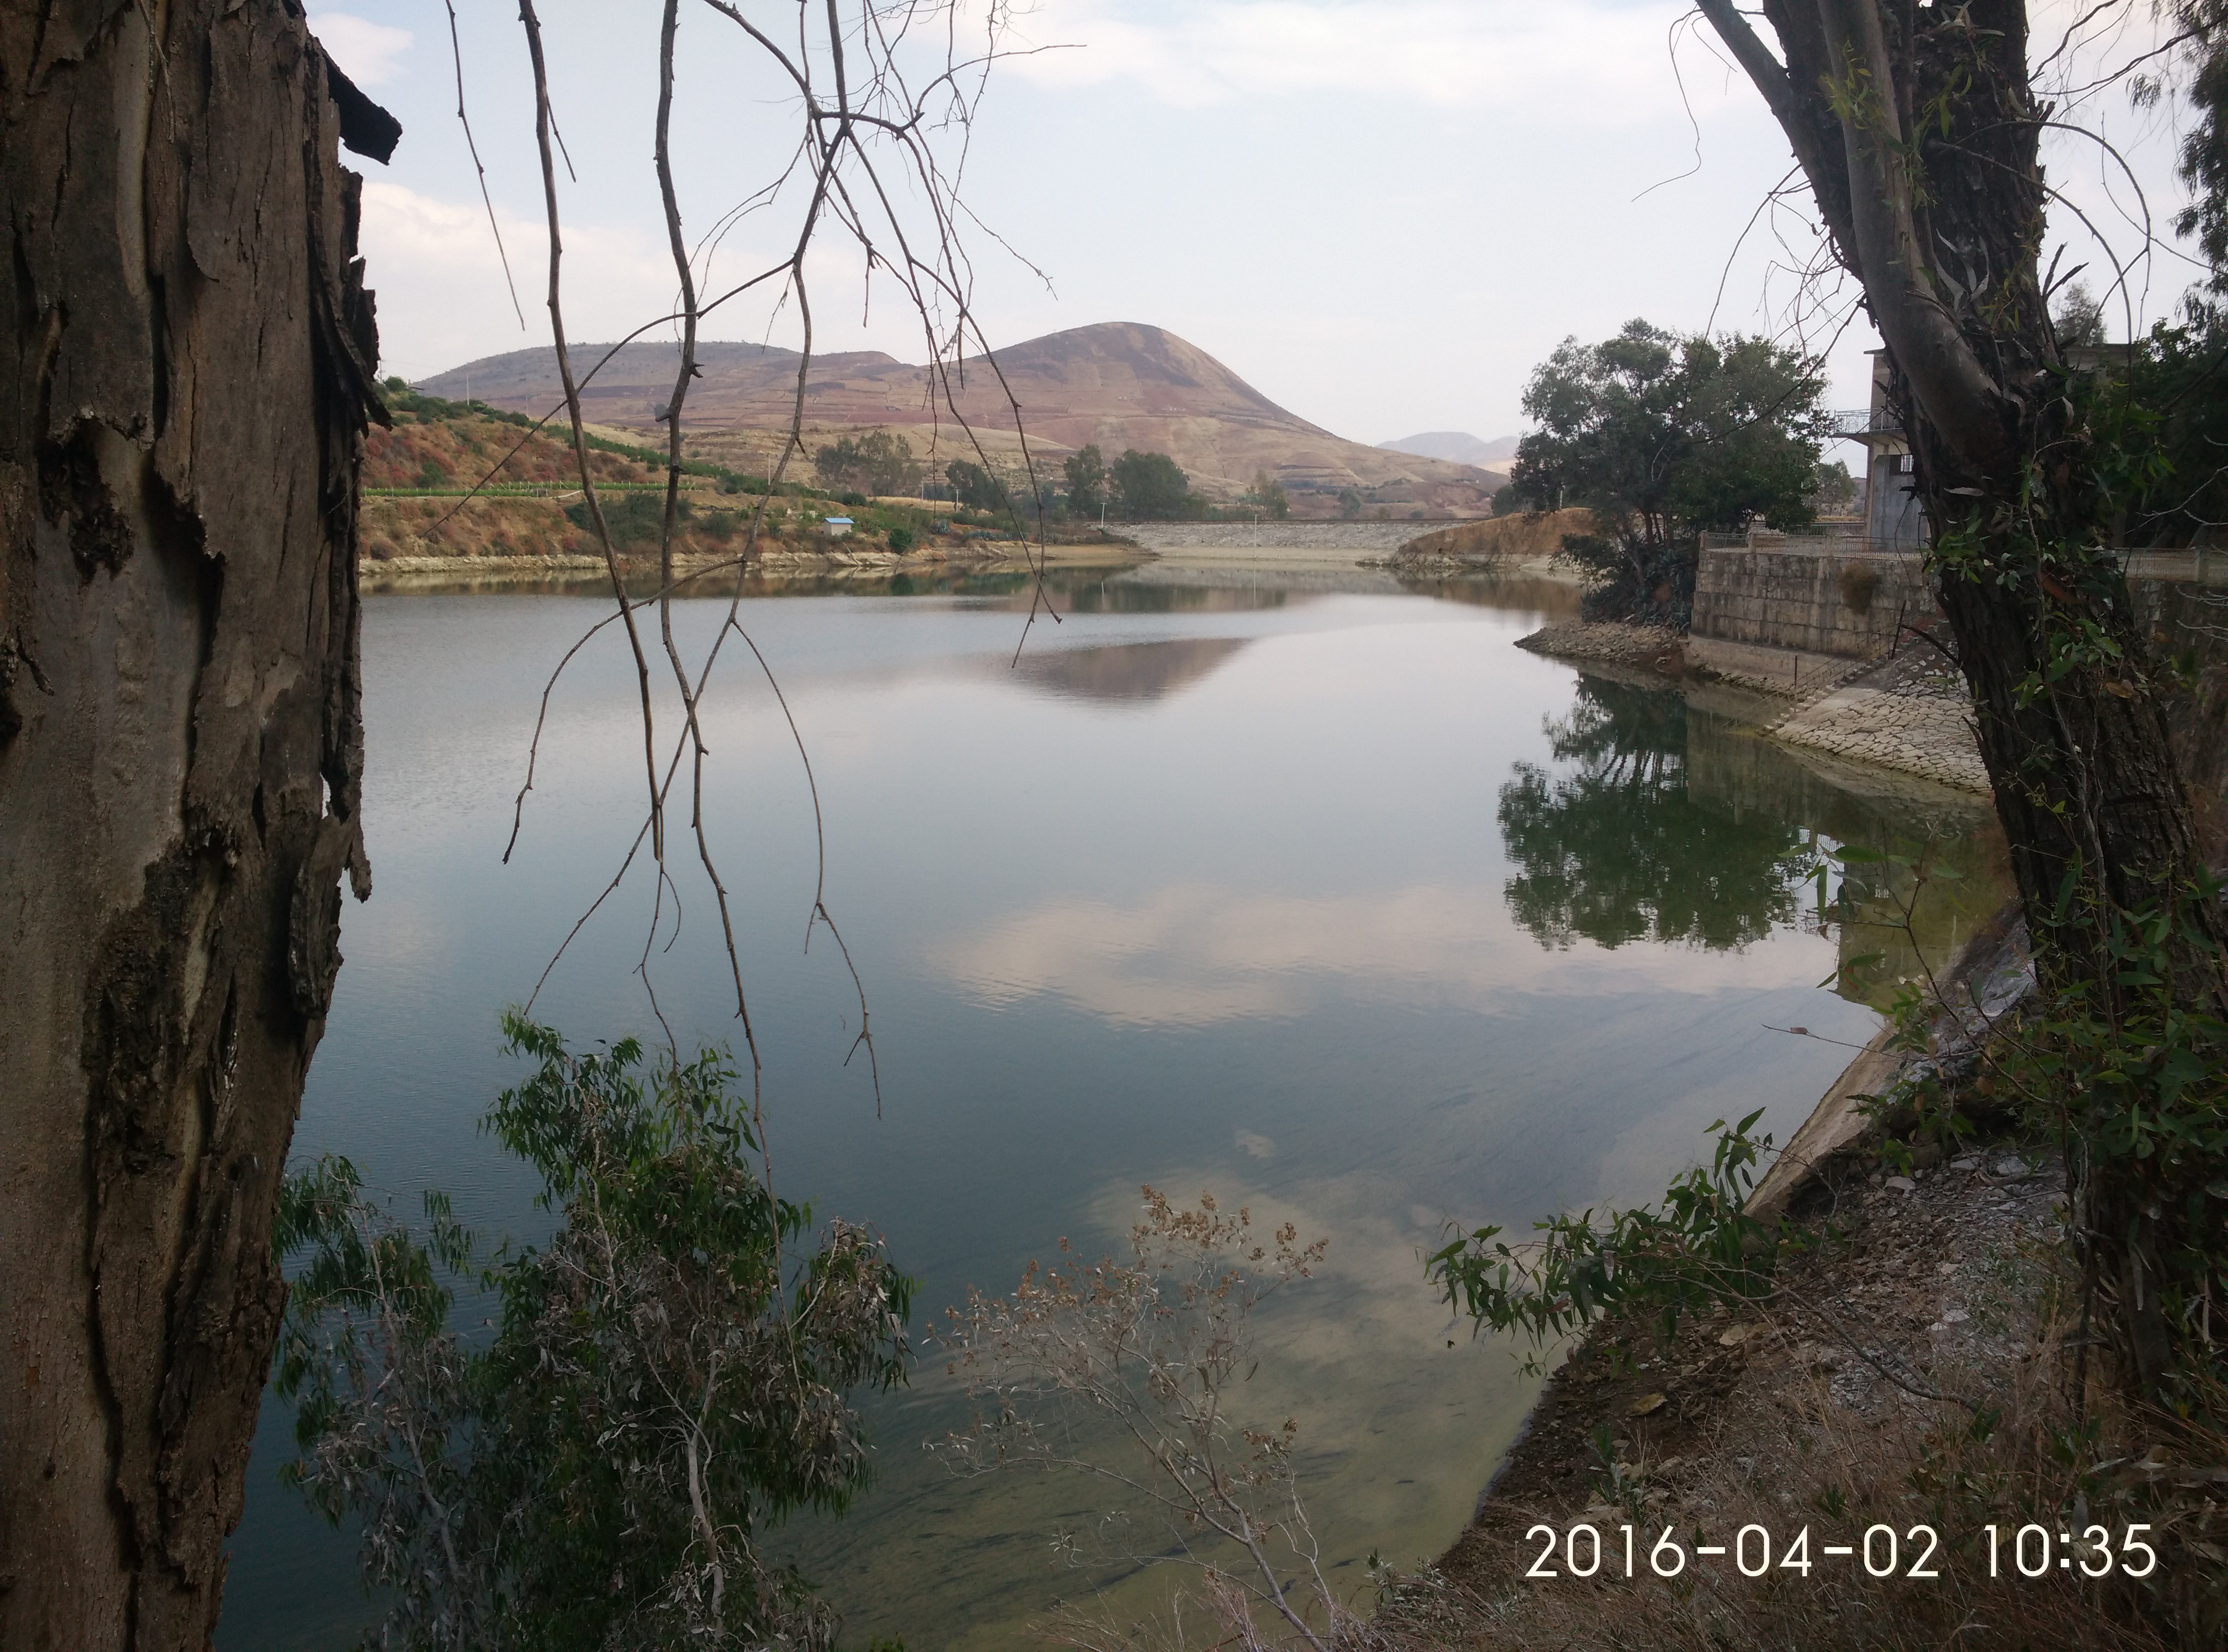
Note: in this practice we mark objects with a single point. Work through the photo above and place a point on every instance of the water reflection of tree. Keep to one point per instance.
(1615, 849)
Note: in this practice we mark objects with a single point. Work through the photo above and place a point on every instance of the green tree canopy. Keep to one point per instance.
(1835, 489)
(1149, 486)
(1663, 438)
(1084, 471)
(877, 463)
(1268, 493)
(2078, 316)
(973, 486)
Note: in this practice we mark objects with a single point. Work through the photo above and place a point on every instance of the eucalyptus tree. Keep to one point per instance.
(190, 375)
(183, 395)
(1917, 129)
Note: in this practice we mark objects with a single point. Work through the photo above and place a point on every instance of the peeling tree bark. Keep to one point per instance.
(183, 393)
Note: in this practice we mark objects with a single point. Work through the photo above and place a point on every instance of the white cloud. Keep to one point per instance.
(439, 278)
(1195, 955)
(443, 301)
(1593, 61)
(369, 54)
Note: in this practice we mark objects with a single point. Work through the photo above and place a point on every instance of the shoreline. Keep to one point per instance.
(1901, 711)
(465, 572)
(1627, 1423)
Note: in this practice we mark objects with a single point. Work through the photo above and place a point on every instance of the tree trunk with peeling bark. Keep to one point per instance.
(1917, 130)
(187, 380)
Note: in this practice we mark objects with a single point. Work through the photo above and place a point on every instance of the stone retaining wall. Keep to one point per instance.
(1846, 604)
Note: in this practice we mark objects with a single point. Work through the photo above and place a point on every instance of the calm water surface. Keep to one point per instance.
(1331, 902)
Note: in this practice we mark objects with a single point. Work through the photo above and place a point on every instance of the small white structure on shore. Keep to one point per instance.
(838, 527)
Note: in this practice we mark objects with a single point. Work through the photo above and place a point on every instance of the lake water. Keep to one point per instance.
(1330, 901)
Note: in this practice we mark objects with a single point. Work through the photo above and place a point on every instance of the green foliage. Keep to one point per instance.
(400, 398)
(2204, 144)
(1149, 486)
(1700, 1247)
(636, 517)
(1833, 490)
(1663, 438)
(667, 1373)
(2132, 1076)
(2078, 319)
(975, 487)
(1084, 472)
(2163, 412)
(901, 538)
(877, 463)
(1269, 493)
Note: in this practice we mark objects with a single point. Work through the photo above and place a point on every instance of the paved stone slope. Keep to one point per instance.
(1909, 712)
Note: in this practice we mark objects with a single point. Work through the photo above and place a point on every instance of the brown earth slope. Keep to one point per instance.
(1525, 534)
(1118, 384)
(437, 453)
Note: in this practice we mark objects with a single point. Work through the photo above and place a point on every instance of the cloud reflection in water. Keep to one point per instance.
(1198, 955)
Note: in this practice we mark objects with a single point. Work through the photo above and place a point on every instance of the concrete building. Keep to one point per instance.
(1894, 521)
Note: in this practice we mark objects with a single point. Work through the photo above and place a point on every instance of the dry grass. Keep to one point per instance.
(1523, 535)
(510, 525)
(461, 453)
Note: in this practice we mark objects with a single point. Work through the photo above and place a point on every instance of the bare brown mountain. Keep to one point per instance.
(1118, 384)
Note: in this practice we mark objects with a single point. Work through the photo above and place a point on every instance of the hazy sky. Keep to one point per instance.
(1382, 215)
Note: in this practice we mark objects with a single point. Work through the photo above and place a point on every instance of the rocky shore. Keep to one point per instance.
(1656, 647)
(1909, 712)
(1906, 711)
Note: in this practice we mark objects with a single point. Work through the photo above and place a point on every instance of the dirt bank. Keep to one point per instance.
(1904, 1378)
(1524, 536)
(1819, 1412)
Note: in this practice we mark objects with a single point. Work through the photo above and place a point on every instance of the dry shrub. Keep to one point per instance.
(1859, 586)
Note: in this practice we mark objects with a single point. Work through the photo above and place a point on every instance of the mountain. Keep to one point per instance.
(1117, 384)
(1459, 446)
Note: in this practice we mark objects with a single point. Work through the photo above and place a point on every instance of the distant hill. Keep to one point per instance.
(1118, 384)
(1457, 446)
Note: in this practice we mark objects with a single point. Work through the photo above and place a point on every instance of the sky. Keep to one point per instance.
(1382, 215)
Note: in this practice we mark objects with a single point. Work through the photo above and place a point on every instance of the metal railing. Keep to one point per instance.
(1863, 421)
